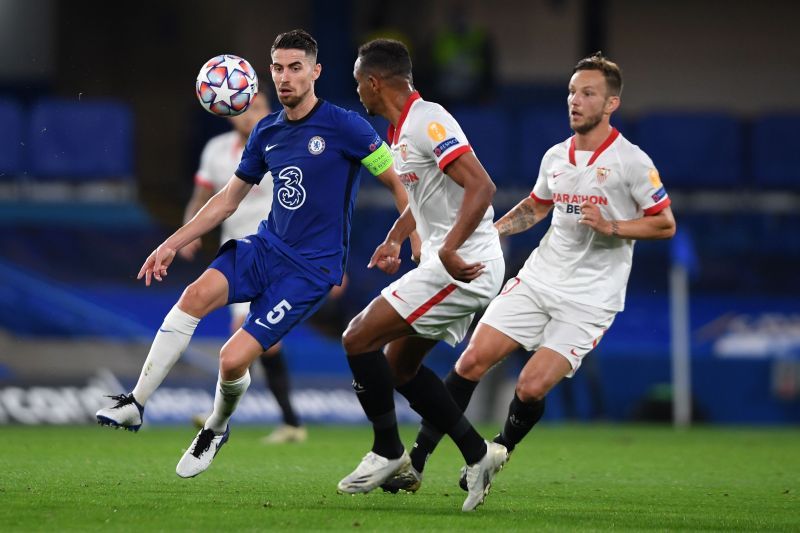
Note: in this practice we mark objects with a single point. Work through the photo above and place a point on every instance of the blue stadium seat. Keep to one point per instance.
(694, 150)
(81, 140)
(489, 131)
(540, 129)
(775, 144)
(11, 139)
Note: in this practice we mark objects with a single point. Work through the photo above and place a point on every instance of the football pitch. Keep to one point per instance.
(562, 478)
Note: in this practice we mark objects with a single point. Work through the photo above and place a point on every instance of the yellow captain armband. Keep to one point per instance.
(378, 161)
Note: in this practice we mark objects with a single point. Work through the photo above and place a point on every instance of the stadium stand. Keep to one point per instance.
(722, 171)
(540, 128)
(11, 139)
(775, 144)
(694, 150)
(489, 131)
(81, 140)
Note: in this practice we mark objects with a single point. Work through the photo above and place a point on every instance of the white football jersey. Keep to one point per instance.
(218, 163)
(572, 260)
(427, 138)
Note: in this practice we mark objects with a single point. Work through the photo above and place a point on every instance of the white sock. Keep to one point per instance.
(225, 401)
(171, 340)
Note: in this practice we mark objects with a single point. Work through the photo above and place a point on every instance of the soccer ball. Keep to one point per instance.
(226, 85)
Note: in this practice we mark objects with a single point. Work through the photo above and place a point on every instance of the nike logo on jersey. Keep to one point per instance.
(572, 351)
(557, 174)
(269, 147)
(162, 330)
(394, 293)
(258, 321)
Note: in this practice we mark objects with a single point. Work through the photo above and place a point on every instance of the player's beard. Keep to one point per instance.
(292, 100)
(589, 124)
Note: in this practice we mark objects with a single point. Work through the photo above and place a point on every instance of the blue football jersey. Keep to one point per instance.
(315, 164)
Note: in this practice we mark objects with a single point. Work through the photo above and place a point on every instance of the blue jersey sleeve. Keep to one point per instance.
(253, 165)
(361, 137)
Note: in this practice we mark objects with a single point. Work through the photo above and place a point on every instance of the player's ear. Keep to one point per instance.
(374, 83)
(316, 72)
(612, 104)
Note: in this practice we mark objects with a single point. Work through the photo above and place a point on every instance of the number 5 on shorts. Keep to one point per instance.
(278, 312)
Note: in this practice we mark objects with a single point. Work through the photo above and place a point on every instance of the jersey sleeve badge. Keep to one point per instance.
(655, 179)
(436, 131)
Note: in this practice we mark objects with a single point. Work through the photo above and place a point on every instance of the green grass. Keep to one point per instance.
(562, 478)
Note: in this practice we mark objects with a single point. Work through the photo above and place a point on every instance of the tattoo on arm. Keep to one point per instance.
(520, 218)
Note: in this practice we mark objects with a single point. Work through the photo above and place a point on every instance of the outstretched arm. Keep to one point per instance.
(387, 254)
(392, 181)
(218, 208)
(200, 195)
(522, 216)
(660, 225)
(479, 190)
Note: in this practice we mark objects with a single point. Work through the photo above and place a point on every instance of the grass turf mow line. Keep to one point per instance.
(562, 478)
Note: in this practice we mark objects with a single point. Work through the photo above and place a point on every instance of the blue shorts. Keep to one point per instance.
(282, 294)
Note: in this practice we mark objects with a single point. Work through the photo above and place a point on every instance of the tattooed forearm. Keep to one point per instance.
(520, 218)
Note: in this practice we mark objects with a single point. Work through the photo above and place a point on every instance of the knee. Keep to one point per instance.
(231, 364)
(353, 340)
(472, 364)
(194, 300)
(532, 388)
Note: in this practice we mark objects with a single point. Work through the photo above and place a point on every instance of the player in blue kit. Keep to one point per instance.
(314, 151)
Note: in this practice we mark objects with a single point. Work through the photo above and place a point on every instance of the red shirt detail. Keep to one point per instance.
(600, 149)
(394, 132)
(203, 183)
(660, 206)
(541, 200)
(452, 156)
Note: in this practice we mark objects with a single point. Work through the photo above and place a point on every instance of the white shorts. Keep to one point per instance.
(239, 309)
(439, 307)
(536, 318)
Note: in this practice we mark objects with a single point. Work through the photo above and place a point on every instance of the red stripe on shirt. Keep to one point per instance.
(452, 156)
(511, 285)
(600, 149)
(660, 206)
(540, 200)
(198, 180)
(424, 308)
(394, 132)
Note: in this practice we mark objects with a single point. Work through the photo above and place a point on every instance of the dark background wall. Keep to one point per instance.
(730, 55)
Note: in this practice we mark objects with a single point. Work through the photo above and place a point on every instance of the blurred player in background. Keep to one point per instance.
(314, 152)
(461, 269)
(218, 162)
(605, 193)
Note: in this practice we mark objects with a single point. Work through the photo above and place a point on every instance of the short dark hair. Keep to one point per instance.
(611, 71)
(297, 40)
(386, 57)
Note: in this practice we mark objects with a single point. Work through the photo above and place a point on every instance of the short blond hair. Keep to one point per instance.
(611, 71)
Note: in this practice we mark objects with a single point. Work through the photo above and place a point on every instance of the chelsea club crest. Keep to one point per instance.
(316, 145)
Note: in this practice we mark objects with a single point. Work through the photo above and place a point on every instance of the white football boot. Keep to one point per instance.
(285, 434)
(480, 474)
(127, 413)
(201, 452)
(372, 472)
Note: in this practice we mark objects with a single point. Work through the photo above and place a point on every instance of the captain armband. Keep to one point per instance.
(378, 161)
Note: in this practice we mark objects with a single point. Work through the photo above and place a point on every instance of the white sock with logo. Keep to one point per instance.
(225, 401)
(171, 340)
